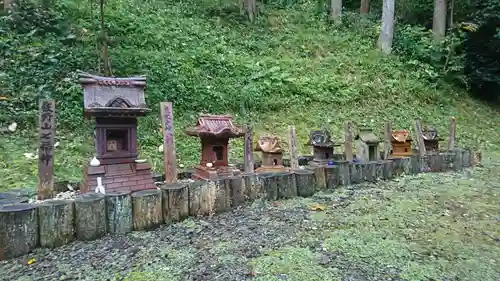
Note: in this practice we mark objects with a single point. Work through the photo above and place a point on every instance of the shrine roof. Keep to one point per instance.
(268, 144)
(430, 135)
(401, 136)
(220, 126)
(321, 138)
(367, 136)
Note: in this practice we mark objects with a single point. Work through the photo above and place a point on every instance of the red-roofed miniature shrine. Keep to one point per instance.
(401, 144)
(214, 132)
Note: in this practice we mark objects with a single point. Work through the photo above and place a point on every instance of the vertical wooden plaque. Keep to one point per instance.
(387, 140)
(292, 144)
(169, 158)
(348, 141)
(419, 138)
(248, 160)
(453, 128)
(47, 133)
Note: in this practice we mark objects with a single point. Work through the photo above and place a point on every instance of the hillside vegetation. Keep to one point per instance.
(288, 67)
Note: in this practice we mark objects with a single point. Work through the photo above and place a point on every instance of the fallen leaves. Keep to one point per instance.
(317, 207)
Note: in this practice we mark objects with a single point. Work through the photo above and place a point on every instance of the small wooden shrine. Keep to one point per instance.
(214, 132)
(115, 103)
(366, 143)
(401, 143)
(323, 147)
(272, 154)
(431, 139)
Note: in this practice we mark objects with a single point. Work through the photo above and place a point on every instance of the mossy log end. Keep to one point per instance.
(305, 181)
(195, 191)
(147, 210)
(344, 173)
(356, 172)
(252, 187)
(56, 222)
(369, 171)
(320, 177)
(90, 216)
(237, 191)
(332, 177)
(286, 185)
(218, 196)
(18, 230)
(119, 212)
(175, 201)
(269, 186)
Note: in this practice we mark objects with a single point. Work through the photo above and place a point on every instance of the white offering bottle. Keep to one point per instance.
(100, 188)
(95, 162)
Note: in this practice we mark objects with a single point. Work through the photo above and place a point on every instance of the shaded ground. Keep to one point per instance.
(430, 227)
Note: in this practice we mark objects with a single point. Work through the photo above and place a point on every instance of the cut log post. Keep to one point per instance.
(356, 173)
(397, 167)
(90, 216)
(406, 165)
(344, 173)
(237, 191)
(370, 171)
(18, 230)
(424, 164)
(384, 169)
(119, 212)
(448, 160)
(195, 190)
(175, 200)
(269, 186)
(56, 222)
(305, 181)
(332, 177)
(286, 185)
(415, 164)
(466, 158)
(252, 186)
(458, 163)
(218, 196)
(320, 177)
(147, 210)
(434, 163)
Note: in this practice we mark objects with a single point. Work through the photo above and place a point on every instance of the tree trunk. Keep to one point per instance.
(336, 10)
(439, 19)
(387, 28)
(452, 11)
(365, 7)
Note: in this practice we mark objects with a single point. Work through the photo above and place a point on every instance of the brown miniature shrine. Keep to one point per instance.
(116, 103)
(367, 145)
(323, 147)
(272, 154)
(431, 139)
(401, 144)
(214, 132)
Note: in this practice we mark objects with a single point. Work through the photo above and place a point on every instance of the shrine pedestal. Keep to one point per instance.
(205, 173)
(119, 177)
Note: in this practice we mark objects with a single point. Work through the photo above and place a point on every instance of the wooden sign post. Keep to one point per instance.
(248, 160)
(292, 144)
(387, 140)
(451, 140)
(169, 158)
(419, 138)
(47, 133)
(348, 141)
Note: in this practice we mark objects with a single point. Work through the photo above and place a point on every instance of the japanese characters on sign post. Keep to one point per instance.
(47, 129)
(168, 142)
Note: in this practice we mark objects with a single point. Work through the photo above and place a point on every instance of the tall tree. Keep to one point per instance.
(365, 7)
(336, 10)
(439, 19)
(387, 27)
(249, 8)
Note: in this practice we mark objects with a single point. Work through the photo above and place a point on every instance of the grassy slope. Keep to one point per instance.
(294, 68)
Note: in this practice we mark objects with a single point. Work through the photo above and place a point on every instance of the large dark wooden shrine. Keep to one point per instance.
(431, 139)
(214, 132)
(323, 147)
(116, 103)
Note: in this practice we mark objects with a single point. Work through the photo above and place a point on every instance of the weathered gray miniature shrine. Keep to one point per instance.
(367, 145)
(272, 154)
(116, 104)
(323, 147)
(431, 139)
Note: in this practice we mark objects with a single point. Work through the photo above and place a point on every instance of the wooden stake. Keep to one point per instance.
(388, 138)
(453, 127)
(419, 138)
(348, 141)
(47, 131)
(292, 143)
(170, 162)
(248, 160)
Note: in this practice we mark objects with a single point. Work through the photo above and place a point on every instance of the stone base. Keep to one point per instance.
(204, 173)
(119, 177)
(400, 155)
(272, 169)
